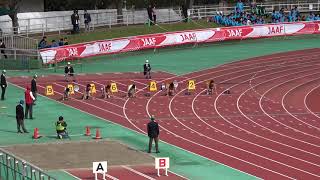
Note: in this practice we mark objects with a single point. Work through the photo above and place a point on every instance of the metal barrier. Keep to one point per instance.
(14, 168)
(99, 19)
(15, 53)
(20, 42)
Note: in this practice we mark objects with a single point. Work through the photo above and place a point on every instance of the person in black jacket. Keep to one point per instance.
(149, 10)
(153, 133)
(20, 117)
(69, 72)
(2, 47)
(75, 22)
(147, 70)
(34, 88)
(87, 20)
(3, 84)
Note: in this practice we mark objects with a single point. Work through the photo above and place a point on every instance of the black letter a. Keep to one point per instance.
(99, 167)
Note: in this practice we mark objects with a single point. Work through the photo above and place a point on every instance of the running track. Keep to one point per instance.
(268, 126)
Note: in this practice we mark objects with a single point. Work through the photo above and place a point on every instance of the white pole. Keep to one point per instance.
(104, 176)
(166, 171)
(158, 173)
(96, 176)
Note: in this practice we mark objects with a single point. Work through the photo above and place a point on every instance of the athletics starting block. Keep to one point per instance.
(93, 89)
(71, 88)
(191, 86)
(152, 87)
(49, 90)
(113, 88)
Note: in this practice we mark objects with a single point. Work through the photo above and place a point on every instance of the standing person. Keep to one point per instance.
(69, 72)
(75, 21)
(2, 47)
(29, 99)
(20, 117)
(149, 10)
(3, 84)
(154, 15)
(153, 133)
(34, 88)
(147, 70)
(87, 20)
(184, 9)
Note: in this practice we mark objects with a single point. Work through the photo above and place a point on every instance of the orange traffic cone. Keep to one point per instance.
(87, 131)
(36, 134)
(98, 136)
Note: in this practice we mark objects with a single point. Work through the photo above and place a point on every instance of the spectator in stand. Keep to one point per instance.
(75, 22)
(149, 10)
(61, 43)
(87, 20)
(43, 43)
(239, 6)
(311, 17)
(29, 99)
(239, 17)
(66, 41)
(54, 44)
(2, 48)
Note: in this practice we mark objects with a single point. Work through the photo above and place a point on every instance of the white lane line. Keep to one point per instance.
(139, 173)
(89, 104)
(284, 106)
(261, 107)
(305, 102)
(76, 177)
(200, 76)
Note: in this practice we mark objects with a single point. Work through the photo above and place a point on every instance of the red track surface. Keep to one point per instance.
(126, 172)
(268, 126)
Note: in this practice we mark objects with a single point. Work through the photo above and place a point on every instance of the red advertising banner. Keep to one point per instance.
(136, 43)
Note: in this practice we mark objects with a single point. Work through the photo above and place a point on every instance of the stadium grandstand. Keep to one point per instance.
(180, 89)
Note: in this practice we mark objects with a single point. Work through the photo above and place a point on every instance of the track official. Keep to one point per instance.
(153, 133)
(147, 70)
(3, 84)
(29, 99)
(69, 72)
(20, 117)
(34, 88)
